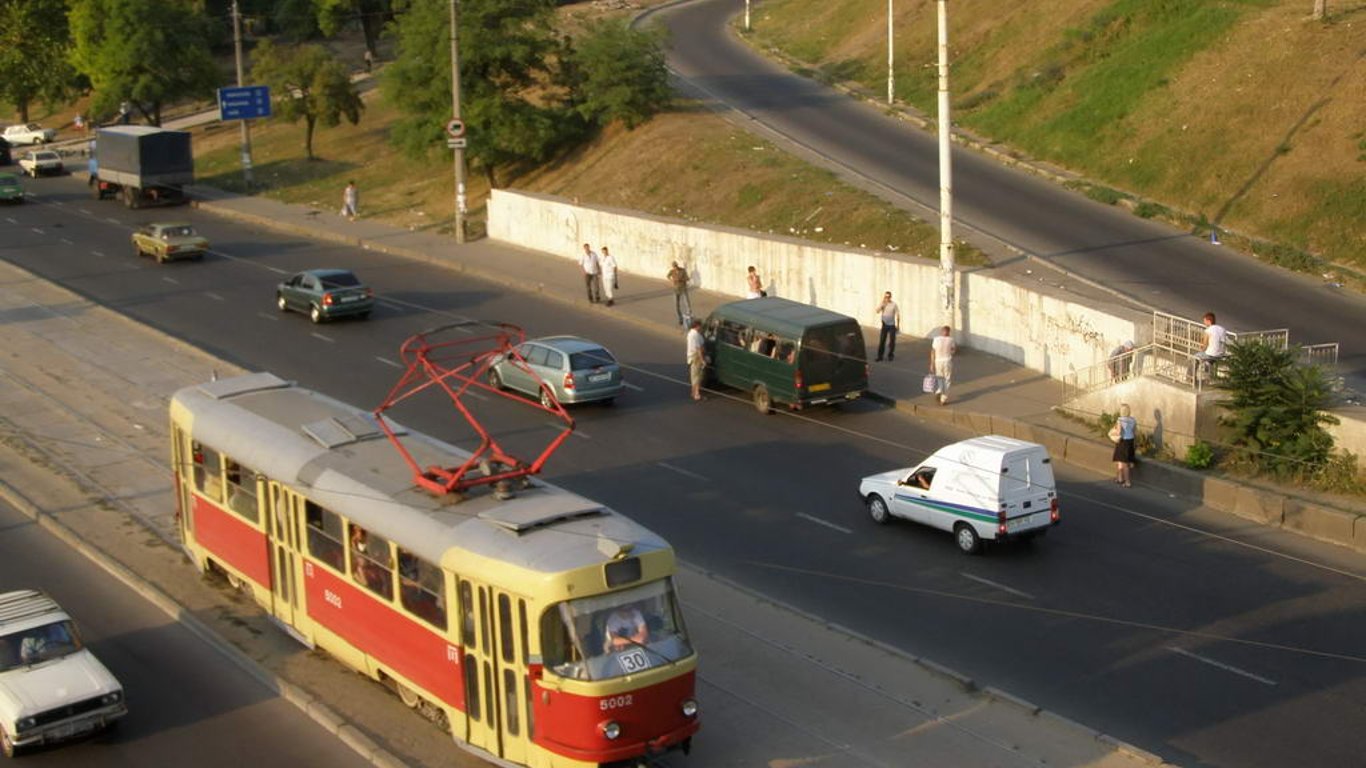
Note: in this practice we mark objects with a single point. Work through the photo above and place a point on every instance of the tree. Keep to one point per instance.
(1320, 10)
(1277, 410)
(371, 14)
(308, 82)
(619, 74)
(512, 99)
(34, 44)
(147, 52)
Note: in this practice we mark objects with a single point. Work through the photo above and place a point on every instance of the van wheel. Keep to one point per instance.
(877, 509)
(762, 402)
(967, 537)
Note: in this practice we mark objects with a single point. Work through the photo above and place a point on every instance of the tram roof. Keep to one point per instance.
(338, 456)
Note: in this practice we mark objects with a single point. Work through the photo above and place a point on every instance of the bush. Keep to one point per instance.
(1277, 411)
(1200, 455)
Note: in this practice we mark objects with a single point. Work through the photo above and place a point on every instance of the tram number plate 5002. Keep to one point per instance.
(615, 702)
(634, 661)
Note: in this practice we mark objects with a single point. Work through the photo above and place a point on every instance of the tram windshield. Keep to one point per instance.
(606, 636)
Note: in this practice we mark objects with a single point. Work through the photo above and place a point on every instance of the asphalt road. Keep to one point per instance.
(1198, 637)
(188, 704)
(1158, 266)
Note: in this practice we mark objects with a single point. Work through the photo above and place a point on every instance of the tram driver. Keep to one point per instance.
(625, 627)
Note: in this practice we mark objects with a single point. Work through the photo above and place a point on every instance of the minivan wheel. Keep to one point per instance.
(762, 402)
(877, 509)
(967, 537)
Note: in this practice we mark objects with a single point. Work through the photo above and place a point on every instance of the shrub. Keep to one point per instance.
(1200, 455)
(1276, 412)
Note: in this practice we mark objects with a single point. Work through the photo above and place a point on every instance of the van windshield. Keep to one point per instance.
(834, 354)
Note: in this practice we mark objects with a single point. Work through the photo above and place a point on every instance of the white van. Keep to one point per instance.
(990, 488)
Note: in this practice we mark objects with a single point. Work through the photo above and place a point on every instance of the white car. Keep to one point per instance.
(30, 133)
(989, 488)
(51, 687)
(41, 162)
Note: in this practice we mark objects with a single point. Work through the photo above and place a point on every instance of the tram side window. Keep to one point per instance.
(208, 472)
(422, 588)
(372, 565)
(241, 484)
(325, 535)
(468, 637)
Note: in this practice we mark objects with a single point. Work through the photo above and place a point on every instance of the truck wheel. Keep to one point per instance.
(967, 538)
(763, 403)
(877, 509)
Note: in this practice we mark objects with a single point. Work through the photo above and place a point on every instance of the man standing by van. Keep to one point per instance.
(697, 358)
(941, 363)
(891, 323)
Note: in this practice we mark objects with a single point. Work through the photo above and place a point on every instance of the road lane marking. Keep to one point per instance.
(681, 471)
(276, 270)
(83, 211)
(388, 362)
(39, 231)
(65, 241)
(12, 221)
(97, 253)
(1001, 587)
(1222, 665)
(214, 296)
(825, 523)
(171, 280)
(324, 338)
(560, 425)
(113, 221)
(267, 316)
(632, 387)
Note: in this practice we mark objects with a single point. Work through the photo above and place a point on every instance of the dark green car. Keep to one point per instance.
(325, 294)
(782, 351)
(10, 191)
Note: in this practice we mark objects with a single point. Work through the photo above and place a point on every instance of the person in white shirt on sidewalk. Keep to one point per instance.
(592, 274)
(608, 265)
(941, 362)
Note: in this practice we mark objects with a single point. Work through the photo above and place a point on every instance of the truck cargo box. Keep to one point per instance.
(143, 156)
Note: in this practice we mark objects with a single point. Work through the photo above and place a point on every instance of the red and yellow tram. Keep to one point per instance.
(540, 627)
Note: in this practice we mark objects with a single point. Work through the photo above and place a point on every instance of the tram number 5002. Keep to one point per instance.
(615, 702)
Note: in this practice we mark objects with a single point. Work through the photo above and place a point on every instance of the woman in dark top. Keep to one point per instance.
(1124, 447)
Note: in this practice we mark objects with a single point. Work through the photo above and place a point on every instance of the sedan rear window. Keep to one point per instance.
(590, 358)
(340, 280)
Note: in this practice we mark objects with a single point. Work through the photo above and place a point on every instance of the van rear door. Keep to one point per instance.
(833, 361)
(1026, 486)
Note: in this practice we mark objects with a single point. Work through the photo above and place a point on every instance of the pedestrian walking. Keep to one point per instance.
(592, 274)
(1124, 434)
(941, 363)
(890, 315)
(678, 278)
(79, 122)
(697, 358)
(608, 263)
(755, 285)
(350, 200)
(369, 60)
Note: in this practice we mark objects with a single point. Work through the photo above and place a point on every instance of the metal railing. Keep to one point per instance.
(1121, 367)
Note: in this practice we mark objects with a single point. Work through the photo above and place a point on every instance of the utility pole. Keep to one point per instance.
(946, 276)
(241, 81)
(891, 83)
(455, 113)
(746, 15)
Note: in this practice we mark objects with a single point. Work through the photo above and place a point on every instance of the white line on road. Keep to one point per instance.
(825, 523)
(12, 221)
(327, 339)
(388, 362)
(476, 395)
(1221, 665)
(276, 270)
(268, 316)
(632, 387)
(65, 241)
(560, 425)
(113, 221)
(681, 471)
(1001, 587)
(83, 211)
(97, 253)
(39, 231)
(214, 296)
(171, 280)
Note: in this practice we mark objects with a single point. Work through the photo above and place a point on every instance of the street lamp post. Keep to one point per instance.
(455, 113)
(891, 85)
(946, 272)
(746, 15)
(241, 81)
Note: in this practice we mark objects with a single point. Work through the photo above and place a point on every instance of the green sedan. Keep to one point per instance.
(325, 294)
(10, 191)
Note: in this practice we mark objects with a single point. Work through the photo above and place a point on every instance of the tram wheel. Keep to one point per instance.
(406, 695)
(235, 582)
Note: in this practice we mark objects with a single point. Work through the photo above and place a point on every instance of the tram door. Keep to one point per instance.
(510, 668)
(180, 455)
(493, 630)
(285, 563)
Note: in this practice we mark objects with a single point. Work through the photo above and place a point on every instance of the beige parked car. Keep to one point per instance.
(166, 241)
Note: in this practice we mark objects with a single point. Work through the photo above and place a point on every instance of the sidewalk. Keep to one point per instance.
(83, 435)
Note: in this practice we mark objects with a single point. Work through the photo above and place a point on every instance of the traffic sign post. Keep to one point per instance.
(456, 143)
(244, 102)
(455, 128)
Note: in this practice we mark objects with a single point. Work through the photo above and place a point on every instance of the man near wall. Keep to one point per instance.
(890, 315)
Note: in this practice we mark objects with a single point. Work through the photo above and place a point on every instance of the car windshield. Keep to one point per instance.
(46, 155)
(590, 358)
(339, 280)
(38, 644)
(606, 636)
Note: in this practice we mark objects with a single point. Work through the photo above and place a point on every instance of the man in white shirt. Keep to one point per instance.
(591, 276)
(697, 359)
(890, 315)
(608, 269)
(1216, 346)
(941, 363)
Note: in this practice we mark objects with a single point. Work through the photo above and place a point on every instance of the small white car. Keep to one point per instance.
(42, 162)
(29, 133)
(989, 488)
(51, 687)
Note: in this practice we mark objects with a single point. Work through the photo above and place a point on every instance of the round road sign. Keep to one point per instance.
(455, 128)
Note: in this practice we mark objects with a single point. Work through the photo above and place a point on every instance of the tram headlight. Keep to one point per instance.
(611, 729)
(689, 708)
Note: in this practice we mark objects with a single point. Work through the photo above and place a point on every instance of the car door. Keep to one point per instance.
(514, 375)
(551, 370)
(912, 500)
(293, 292)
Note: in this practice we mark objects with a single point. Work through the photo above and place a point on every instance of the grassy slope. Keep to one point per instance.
(1243, 111)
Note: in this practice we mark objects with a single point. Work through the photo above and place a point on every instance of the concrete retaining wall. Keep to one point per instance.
(1051, 333)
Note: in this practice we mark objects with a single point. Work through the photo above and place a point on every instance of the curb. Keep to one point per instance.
(305, 702)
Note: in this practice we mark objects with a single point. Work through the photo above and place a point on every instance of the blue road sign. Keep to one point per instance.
(244, 102)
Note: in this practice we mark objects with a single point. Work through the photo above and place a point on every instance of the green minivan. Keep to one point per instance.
(783, 351)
